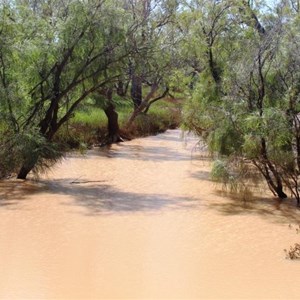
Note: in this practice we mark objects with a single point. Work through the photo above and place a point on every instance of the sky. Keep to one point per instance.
(272, 3)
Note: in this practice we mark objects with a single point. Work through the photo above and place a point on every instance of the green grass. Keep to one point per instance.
(89, 125)
(95, 117)
(92, 117)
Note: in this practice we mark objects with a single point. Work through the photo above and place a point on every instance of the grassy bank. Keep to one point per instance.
(89, 125)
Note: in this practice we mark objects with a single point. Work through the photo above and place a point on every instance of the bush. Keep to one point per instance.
(26, 148)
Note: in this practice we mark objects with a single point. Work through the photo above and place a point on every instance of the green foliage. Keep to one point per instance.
(224, 140)
(251, 146)
(236, 177)
(246, 103)
(220, 172)
(53, 55)
(15, 149)
(235, 62)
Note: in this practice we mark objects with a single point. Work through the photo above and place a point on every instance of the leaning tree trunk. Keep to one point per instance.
(48, 127)
(25, 169)
(276, 186)
(23, 172)
(270, 173)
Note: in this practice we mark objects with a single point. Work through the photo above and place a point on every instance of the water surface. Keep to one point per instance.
(142, 220)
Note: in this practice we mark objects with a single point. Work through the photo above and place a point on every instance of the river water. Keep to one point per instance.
(142, 220)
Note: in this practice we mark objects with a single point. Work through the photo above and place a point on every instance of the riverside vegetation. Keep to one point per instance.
(88, 127)
(66, 65)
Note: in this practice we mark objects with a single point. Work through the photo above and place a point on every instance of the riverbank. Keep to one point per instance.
(141, 219)
(88, 127)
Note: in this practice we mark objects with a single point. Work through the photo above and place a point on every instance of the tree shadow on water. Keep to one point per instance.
(96, 197)
(271, 208)
(203, 175)
(101, 198)
(144, 153)
(14, 191)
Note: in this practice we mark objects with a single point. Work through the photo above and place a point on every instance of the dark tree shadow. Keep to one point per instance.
(201, 175)
(14, 191)
(104, 199)
(137, 152)
(271, 208)
(96, 197)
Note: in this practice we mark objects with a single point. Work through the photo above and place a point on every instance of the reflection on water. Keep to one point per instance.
(142, 220)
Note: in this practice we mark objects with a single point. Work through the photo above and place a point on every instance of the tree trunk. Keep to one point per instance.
(25, 169)
(143, 105)
(136, 90)
(215, 71)
(23, 172)
(113, 135)
(274, 183)
(281, 194)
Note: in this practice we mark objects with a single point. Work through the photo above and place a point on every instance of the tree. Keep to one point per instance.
(144, 73)
(67, 48)
(152, 58)
(248, 114)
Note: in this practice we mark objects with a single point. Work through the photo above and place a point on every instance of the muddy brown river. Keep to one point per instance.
(143, 220)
